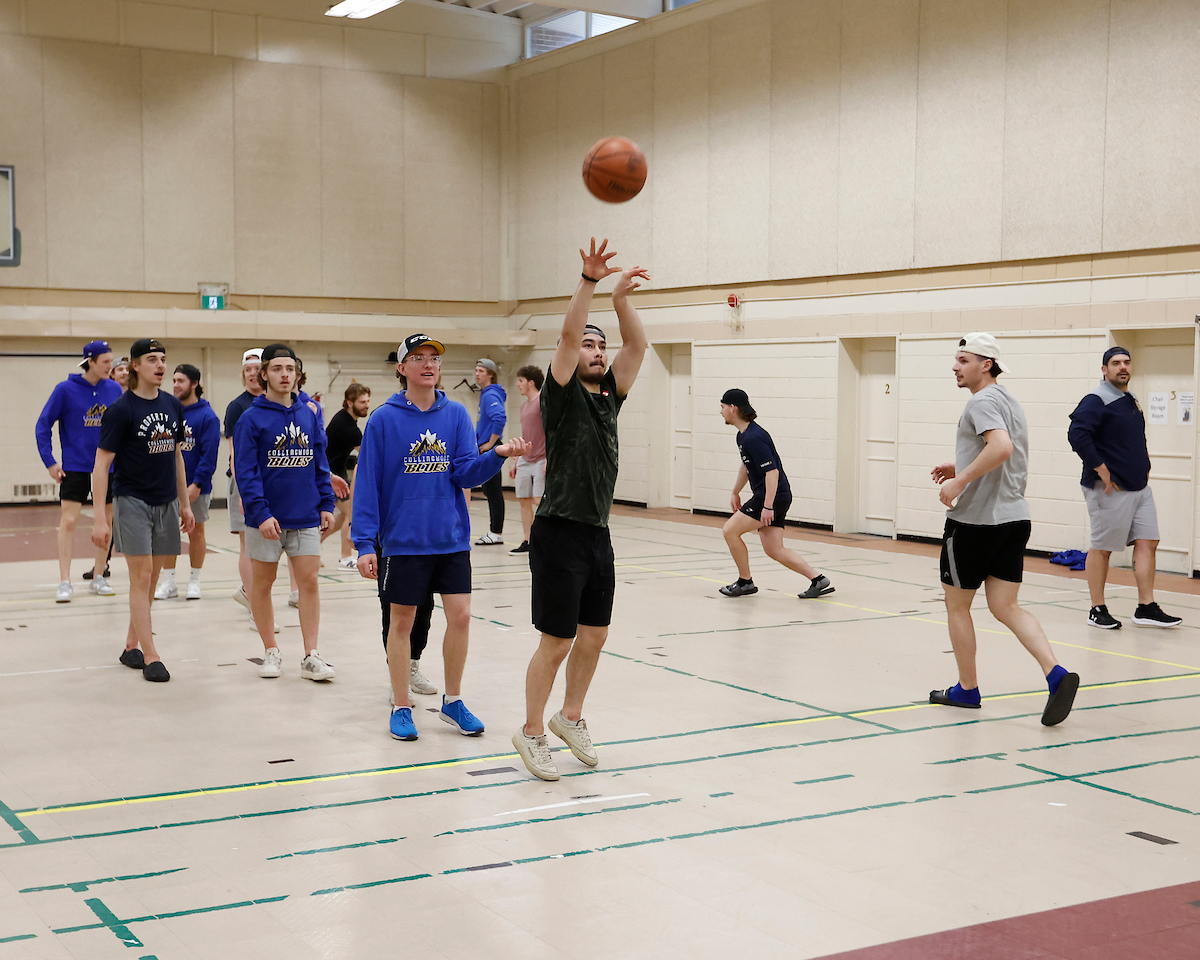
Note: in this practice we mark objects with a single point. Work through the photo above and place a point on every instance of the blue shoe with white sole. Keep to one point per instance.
(458, 715)
(401, 724)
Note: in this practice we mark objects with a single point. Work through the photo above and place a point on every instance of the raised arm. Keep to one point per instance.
(595, 269)
(628, 361)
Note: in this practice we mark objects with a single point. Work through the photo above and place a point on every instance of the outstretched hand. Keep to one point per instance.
(515, 447)
(595, 263)
(627, 282)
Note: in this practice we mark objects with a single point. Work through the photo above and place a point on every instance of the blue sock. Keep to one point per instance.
(956, 692)
(1054, 678)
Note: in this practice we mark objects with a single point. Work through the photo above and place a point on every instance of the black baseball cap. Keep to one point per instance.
(144, 346)
(1116, 352)
(592, 328)
(273, 350)
(191, 371)
(418, 340)
(737, 398)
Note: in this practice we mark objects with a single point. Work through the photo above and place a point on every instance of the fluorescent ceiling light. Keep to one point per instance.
(359, 9)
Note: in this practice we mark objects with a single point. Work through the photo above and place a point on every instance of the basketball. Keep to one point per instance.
(615, 170)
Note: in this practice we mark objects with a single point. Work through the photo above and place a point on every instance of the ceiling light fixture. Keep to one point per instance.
(360, 9)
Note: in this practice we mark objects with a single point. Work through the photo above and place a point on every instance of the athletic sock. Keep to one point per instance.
(742, 581)
(956, 692)
(194, 574)
(449, 700)
(1054, 678)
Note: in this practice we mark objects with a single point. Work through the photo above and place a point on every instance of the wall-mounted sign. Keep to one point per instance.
(10, 236)
(1158, 408)
(1187, 409)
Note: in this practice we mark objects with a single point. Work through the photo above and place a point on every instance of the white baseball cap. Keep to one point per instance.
(252, 356)
(984, 345)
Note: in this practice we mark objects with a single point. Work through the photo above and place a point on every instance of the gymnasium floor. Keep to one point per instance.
(771, 783)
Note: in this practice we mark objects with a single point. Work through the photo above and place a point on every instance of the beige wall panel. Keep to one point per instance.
(187, 122)
(491, 224)
(161, 27)
(1152, 165)
(960, 131)
(629, 112)
(277, 179)
(681, 140)
(96, 20)
(22, 135)
(471, 59)
(10, 16)
(385, 51)
(739, 145)
(93, 113)
(805, 107)
(876, 193)
(443, 164)
(289, 41)
(235, 36)
(580, 215)
(362, 184)
(1054, 127)
(538, 183)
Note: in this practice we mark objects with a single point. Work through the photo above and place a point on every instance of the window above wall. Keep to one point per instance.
(568, 28)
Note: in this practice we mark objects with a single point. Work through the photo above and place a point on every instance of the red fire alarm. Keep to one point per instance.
(733, 300)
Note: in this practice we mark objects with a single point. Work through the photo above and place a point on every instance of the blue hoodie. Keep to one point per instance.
(279, 459)
(201, 441)
(491, 414)
(78, 407)
(412, 468)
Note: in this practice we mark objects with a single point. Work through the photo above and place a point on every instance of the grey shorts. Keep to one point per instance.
(237, 522)
(1121, 517)
(142, 530)
(531, 478)
(200, 507)
(295, 543)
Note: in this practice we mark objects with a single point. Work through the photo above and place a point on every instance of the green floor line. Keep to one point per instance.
(840, 776)
(80, 886)
(344, 846)
(1118, 736)
(1079, 778)
(19, 936)
(981, 756)
(561, 816)
(109, 919)
(13, 819)
(371, 883)
(170, 916)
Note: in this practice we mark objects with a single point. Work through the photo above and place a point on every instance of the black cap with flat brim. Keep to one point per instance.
(144, 346)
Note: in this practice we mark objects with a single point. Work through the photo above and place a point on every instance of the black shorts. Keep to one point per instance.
(971, 553)
(77, 487)
(409, 579)
(753, 508)
(573, 575)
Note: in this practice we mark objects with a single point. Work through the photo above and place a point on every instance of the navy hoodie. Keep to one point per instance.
(491, 414)
(201, 441)
(1108, 428)
(78, 407)
(279, 459)
(412, 468)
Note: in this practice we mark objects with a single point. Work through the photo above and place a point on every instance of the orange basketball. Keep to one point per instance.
(615, 170)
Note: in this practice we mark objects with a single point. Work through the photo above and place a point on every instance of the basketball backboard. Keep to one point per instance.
(10, 239)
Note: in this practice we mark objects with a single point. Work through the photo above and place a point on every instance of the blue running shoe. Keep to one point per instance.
(456, 713)
(401, 724)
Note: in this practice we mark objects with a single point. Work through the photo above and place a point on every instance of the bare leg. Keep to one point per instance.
(527, 507)
(197, 547)
(398, 649)
(260, 600)
(962, 634)
(539, 680)
(305, 570)
(1145, 553)
(347, 541)
(169, 562)
(1097, 574)
(67, 522)
(581, 666)
(101, 558)
(772, 541)
(1002, 601)
(735, 528)
(457, 608)
(143, 574)
(245, 568)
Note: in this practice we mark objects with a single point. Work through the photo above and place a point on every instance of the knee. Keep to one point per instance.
(68, 522)
(555, 649)
(1002, 610)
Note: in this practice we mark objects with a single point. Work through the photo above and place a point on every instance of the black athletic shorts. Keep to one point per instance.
(573, 575)
(971, 553)
(77, 487)
(753, 508)
(409, 579)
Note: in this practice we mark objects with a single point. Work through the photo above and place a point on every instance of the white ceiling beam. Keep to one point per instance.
(504, 7)
(634, 9)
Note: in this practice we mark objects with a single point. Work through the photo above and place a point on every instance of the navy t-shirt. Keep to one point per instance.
(143, 434)
(758, 453)
(237, 406)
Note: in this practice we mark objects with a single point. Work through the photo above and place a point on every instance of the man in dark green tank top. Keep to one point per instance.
(570, 553)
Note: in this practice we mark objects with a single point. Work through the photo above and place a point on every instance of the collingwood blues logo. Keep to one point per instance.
(189, 438)
(94, 414)
(158, 430)
(427, 455)
(292, 448)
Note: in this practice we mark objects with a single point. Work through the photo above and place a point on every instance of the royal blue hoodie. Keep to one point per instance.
(412, 468)
(78, 407)
(202, 440)
(279, 459)
(491, 414)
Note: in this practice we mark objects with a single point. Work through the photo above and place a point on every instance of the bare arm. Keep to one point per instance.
(997, 447)
(628, 361)
(101, 529)
(735, 499)
(566, 355)
(772, 485)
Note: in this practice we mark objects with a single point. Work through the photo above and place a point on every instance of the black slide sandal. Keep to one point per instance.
(1061, 701)
(943, 697)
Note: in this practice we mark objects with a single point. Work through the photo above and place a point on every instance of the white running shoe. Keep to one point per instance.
(193, 590)
(575, 736)
(348, 563)
(240, 596)
(536, 754)
(101, 587)
(417, 681)
(167, 589)
(254, 626)
(272, 665)
(63, 593)
(313, 667)
(294, 599)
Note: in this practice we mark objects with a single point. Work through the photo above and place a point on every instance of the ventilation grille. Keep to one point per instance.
(29, 492)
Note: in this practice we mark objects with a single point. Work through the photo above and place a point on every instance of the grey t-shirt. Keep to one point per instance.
(997, 496)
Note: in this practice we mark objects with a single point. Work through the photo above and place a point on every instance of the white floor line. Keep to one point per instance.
(30, 673)
(570, 803)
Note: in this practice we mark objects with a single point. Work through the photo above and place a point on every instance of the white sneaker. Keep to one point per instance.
(294, 599)
(313, 667)
(488, 540)
(63, 593)
(193, 590)
(575, 736)
(348, 563)
(240, 596)
(101, 588)
(536, 754)
(417, 681)
(254, 626)
(272, 665)
(166, 589)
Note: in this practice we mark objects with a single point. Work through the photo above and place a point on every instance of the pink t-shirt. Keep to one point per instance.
(532, 430)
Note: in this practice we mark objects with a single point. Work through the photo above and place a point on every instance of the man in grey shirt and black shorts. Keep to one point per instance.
(988, 528)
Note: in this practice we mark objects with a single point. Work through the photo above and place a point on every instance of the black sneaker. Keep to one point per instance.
(89, 574)
(523, 547)
(818, 588)
(133, 658)
(156, 672)
(738, 589)
(1151, 615)
(1100, 617)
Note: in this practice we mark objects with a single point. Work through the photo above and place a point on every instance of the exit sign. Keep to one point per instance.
(212, 302)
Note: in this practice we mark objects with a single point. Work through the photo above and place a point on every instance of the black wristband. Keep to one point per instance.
(588, 279)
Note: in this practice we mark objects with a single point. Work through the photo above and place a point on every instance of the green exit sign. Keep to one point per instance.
(212, 302)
